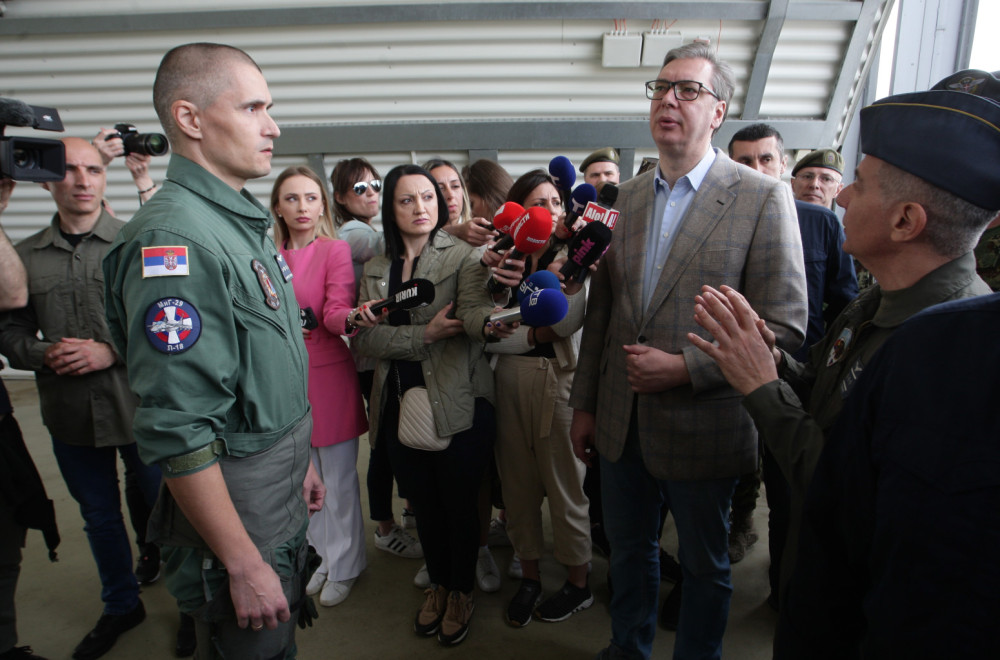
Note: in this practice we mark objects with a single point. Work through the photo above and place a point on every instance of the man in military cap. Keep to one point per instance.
(601, 167)
(818, 177)
(983, 83)
(916, 208)
(202, 305)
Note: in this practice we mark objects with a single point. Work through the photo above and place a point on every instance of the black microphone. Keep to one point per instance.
(601, 211)
(412, 294)
(587, 246)
(16, 113)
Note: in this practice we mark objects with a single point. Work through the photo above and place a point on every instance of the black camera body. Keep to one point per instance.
(150, 144)
(30, 159)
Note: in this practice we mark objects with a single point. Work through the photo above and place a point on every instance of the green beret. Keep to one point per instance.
(827, 158)
(605, 155)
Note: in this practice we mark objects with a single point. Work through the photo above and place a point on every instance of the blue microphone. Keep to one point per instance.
(541, 308)
(563, 172)
(583, 195)
(542, 279)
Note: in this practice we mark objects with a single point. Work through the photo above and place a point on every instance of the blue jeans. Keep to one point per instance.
(91, 475)
(632, 499)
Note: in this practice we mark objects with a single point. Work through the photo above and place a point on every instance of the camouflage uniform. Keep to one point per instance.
(988, 257)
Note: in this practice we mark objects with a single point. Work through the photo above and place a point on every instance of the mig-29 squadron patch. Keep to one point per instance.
(172, 325)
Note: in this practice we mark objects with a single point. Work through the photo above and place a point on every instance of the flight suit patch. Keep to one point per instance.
(165, 260)
(172, 325)
(839, 347)
(286, 272)
(270, 293)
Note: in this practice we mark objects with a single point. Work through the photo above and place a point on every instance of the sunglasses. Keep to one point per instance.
(361, 187)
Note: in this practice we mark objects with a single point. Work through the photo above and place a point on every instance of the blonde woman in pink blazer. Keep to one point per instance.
(323, 278)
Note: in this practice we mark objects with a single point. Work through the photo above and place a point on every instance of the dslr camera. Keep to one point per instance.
(30, 159)
(150, 144)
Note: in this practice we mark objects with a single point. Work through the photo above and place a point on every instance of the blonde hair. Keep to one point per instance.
(325, 225)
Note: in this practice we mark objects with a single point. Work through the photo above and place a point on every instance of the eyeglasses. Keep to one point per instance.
(361, 187)
(684, 90)
(824, 179)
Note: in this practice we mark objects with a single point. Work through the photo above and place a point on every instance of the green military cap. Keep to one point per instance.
(827, 158)
(607, 154)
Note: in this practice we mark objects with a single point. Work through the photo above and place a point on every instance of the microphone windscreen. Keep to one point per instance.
(563, 172)
(506, 215)
(532, 234)
(586, 247)
(582, 195)
(16, 113)
(540, 279)
(544, 307)
(608, 195)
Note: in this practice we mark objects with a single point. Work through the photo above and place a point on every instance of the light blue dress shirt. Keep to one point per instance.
(670, 207)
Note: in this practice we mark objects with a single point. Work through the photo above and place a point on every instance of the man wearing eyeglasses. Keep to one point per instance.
(818, 178)
(664, 422)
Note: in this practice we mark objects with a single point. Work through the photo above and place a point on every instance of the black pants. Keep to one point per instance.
(443, 487)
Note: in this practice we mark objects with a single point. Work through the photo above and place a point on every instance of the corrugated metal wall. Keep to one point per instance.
(397, 72)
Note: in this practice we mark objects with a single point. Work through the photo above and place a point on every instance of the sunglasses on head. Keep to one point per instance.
(361, 187)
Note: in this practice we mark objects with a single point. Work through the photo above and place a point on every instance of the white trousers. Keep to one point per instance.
(337, 531)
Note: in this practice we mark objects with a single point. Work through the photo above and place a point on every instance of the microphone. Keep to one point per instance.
(601, 211)
(563, 172)
(15, 113)
(589, 244)
(541, 279)
(583, 195)
(505, 218)
(411, 294)
(530, 234)
(541, 308)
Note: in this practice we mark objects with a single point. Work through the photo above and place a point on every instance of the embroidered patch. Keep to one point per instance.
(172, 325)
(270, 293)
(839, 346)
(163, 260)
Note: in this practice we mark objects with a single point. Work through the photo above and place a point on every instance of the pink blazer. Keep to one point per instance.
(323, 279)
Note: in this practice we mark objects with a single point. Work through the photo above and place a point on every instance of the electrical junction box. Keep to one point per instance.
(656, 44)
(622, 50)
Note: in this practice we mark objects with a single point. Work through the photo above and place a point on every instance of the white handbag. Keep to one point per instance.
(416, 420)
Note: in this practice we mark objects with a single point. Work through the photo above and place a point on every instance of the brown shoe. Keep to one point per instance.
(739, 543)
(431, 613)
(455, 625)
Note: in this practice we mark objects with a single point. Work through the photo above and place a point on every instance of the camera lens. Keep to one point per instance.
(25, 159)
(155, 144)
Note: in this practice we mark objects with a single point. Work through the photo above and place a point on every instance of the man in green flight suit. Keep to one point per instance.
(200, 304)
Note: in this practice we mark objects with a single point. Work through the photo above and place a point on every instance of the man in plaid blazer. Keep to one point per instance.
(666, 424)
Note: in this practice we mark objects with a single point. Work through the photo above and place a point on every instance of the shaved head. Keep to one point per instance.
(196, 73)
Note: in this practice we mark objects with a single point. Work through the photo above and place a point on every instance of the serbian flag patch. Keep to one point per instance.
(165, 260)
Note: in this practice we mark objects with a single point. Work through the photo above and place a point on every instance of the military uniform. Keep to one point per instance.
(199, 303)
(988, 257)
(795, 434)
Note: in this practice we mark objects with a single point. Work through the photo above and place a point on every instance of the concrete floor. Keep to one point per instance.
(59, 603)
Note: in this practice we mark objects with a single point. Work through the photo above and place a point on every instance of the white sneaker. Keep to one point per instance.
(399, 543)
(497, 535)
(408, 519)
(316, 583)
(514, 570)
(422, 579)
(487, 573)
(334, 593)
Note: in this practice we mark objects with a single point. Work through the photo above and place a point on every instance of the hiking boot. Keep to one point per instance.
(431, 612)
(455, 624)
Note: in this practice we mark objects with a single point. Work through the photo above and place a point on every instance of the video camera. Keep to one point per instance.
(30, 159)
(150, 144)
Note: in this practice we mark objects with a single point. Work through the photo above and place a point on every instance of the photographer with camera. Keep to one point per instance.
(138, 149)
(83, 387)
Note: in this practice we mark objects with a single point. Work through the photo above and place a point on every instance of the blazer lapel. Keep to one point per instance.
(636, 233)
(710, 203)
